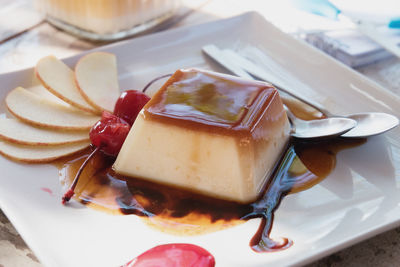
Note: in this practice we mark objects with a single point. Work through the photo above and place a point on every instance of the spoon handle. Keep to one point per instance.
(308, 102)
(291, 116)
(294, 121)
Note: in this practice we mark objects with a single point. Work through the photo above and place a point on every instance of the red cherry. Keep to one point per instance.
(109, 133)
(174, 255)
(129, 104)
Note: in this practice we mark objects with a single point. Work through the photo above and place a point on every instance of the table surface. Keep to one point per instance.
(23, 50)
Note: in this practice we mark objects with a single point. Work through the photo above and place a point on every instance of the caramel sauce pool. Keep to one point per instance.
(175, 211)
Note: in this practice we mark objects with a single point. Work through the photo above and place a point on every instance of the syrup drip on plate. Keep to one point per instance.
(180, 212)
(304, 165)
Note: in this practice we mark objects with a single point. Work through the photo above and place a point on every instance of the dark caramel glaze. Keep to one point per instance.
(209, 101)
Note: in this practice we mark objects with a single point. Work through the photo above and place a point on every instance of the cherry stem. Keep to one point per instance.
(71, 191)
(154, 80)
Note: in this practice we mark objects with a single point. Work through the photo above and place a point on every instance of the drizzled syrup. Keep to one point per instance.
(181, 212)
(304, 165)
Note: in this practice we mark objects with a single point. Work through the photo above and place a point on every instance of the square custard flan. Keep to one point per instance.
(210, 133)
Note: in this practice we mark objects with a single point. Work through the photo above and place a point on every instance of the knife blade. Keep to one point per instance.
(242, 67)
(215, 53)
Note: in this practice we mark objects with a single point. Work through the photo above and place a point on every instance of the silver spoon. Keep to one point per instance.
(368, 123)
(319, 129)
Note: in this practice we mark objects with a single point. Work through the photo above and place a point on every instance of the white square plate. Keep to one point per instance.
(359, 199)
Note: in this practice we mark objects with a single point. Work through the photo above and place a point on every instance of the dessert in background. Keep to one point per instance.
(106, 19)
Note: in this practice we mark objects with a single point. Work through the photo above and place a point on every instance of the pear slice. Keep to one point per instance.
(15, 131)
(39, 154)
(58, 78)
(43, 92)
(39, 111)
(97, 79)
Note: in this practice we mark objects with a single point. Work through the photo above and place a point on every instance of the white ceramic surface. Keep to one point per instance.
(359, 199)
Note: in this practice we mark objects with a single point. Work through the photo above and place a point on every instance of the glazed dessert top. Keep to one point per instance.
(197, 98)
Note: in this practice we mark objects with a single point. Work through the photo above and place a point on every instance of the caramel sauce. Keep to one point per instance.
(304, 165)
(180, 212)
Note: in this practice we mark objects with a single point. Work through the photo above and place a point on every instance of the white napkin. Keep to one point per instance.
(350, 46)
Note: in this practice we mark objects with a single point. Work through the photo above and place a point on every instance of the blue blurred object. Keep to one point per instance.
(319, 7)
(368, 28)
(327, 9)
(394, 23)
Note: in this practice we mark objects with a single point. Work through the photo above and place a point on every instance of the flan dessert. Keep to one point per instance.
(210, 133)
(106, 17)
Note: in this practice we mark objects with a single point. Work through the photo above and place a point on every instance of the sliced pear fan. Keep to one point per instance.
(15, 131)
(97, 79)
(39, 154)
(39, 111)
(58, 78)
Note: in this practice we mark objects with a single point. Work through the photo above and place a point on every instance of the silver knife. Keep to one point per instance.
(215, 53)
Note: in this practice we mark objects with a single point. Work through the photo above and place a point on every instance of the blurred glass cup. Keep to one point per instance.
(107, 20)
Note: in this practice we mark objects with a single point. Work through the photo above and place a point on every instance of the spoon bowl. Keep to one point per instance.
(370, 124)
(319, 129)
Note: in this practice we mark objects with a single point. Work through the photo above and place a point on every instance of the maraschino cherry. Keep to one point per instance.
(129, 104)
(109, 133)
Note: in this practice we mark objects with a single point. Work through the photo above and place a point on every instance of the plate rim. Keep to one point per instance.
(245, 16)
